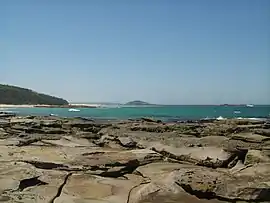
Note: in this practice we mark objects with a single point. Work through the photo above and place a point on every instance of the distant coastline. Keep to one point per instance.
(49, 106)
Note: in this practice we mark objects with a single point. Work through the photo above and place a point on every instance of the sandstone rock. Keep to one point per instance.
(105, 159)
(256, 156)
(264, 132)
(47, 159)
(164, 188)
(21, 182)
(51, 123)
(207, 156)
(9, 142)
(4, 123)
(87, 188)
(88, 135)
(69, 141)
(6, 115)
(21, 120)
(127, 142)
(154, 170)
(250, 137)
(242, 186)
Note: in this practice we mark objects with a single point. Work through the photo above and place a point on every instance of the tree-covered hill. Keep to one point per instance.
(17, 95)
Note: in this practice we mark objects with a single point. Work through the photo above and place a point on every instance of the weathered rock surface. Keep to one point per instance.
(57, 160)
(257, 156)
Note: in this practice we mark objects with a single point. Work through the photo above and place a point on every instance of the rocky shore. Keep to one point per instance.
(61, 160)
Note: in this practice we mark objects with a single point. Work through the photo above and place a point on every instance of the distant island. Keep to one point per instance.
(137, 102)
(17, 96)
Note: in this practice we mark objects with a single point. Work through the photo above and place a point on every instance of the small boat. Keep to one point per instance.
(237, 112)
(74, 110)
(249, 105)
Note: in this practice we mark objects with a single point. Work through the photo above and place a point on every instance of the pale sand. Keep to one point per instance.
(16, 106)
(5, 106)
(87, 105)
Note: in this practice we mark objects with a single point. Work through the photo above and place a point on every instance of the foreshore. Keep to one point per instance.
(51, 159)
(50, 106)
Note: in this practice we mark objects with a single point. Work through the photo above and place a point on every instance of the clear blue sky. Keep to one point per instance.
(173, 52)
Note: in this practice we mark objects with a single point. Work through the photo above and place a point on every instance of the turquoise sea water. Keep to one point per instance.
(158, 112)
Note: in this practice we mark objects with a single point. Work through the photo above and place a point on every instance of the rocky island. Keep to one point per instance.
(68, 160)
(137, 103)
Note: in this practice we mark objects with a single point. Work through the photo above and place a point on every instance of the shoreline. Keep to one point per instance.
(4, 106)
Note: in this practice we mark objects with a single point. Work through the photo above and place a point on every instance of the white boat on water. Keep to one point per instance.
(249, 105)
(74, 110)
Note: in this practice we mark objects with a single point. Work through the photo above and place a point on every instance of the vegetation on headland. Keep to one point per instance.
(137, 102)
(17, 95)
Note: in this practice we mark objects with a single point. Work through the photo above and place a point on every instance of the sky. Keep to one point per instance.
(165, 52)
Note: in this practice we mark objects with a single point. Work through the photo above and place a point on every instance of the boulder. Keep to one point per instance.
(127, 142)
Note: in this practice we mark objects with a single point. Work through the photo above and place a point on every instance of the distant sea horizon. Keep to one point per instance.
(160, 104)
(182, 112)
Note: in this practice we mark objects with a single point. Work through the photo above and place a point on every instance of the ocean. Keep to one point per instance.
(166, 113)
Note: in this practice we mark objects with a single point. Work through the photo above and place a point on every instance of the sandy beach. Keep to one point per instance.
(7, 106)
(16, 106)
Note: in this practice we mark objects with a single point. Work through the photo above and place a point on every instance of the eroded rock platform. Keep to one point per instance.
(60, 160)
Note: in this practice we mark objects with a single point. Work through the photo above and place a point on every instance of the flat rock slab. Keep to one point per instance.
(250, 137)
(21, 182)
(164, 188)
(198, 155)
(59, 155)
(103, 190)
(69, 141)
(257, 156)
(116, 158)
(157, 169)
